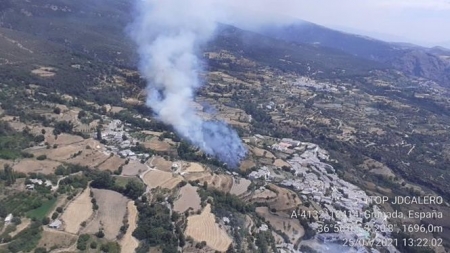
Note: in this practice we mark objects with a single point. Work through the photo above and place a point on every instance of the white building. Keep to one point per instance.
(8, 218)
(56, 224)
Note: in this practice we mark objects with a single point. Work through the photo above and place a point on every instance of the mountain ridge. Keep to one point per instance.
(409, 58)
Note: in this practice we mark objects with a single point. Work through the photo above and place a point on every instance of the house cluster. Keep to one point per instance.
(56, 224)
(46, 183)
(335, 199)
(262, 173)
(313, 84)
(286, 144)
(114, 134)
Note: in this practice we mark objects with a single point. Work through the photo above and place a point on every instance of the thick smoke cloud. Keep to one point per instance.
(169, 34)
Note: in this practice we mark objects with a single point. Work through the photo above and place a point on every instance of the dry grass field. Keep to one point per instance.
(262, 195)
(203, 227)
(161, 164)
(151, 133)
(33, 165)
(189, 198)
(240, 186)
(17, 125)
(3, 162)
(247, 164)
(261, 152)
(220, 182)
(110, 214)
(291, 227)
(163, 179)
(285, 200)
(66, 114)
(63, 139)
(134, 168)
(128, 243)
(57, 239)
(376, 167)
(25, 223)
(64, 153)
(280, 163)
(77, 211)
(44, 71)
(112, 163)
(194, 167)
(157, 145)
(116, 109)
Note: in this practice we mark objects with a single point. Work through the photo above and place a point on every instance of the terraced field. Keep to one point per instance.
(203, 227)
(78, 211)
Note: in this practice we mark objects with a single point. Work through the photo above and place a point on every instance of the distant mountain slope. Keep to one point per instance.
(97, 32)
(299, 57)
(413, 60)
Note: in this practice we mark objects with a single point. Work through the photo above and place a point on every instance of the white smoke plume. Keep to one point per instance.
(169, 34)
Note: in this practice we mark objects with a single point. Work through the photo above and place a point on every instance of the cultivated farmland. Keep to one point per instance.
(128, 242)
(189, 198)
(203, 227)
(163, 179)
(109, 217)
(79, 210)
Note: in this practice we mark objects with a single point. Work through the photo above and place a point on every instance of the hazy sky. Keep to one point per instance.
(425, 22)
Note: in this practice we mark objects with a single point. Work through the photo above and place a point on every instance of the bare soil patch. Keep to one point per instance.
(203, 227)
(133, 168)
(44, 71)
(189, 198)
(109, 217)
(162, 164)
(56, 239)
(128, 243)
(113, 163)
(77, 211)
(240, 186)
(163, 179)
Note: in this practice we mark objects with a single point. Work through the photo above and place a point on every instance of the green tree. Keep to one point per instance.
(134, 189)
(93, 245)
(45, 221)
(100, 234)
(99, 132)
(82, 114)
(9, 174)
